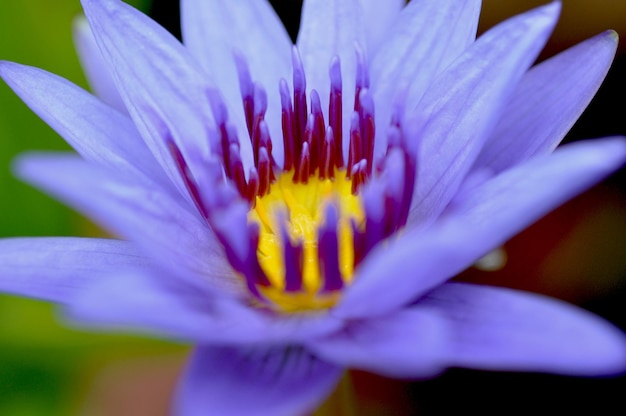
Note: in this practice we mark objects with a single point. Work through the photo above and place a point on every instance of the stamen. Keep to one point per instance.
(368, 129)
(266, 141)
(299, 97)
(309, 137)
(265, 174)
(260, 107)
(355, 152)
(253, 185)
(394, 181)
(359, 175)
(237, 174)
(253, 271)
(358, 240)
(289, 134)
(185, 174)
(396, 146)
(328, 250)
(301, 174)
(327, 169)
(317, 139)
(220, 115)
(246, 87)
(362, 75)
(335, 109)
(374, 208)
(292, 258)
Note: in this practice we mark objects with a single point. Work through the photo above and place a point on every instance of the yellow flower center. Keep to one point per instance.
(299, 208)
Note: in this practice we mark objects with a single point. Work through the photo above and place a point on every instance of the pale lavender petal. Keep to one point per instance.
(138, 211)
(410, 343)
(331, 28)
(503, 329)
(97, 73)
(378, 18)
(427, 36)
(462, 105)
(98, 132)
(396, 273)
(260, 381)
(162, 86)
(56, 269)
(214, 29)
(148, 301)
(547, 102)
(155, 302)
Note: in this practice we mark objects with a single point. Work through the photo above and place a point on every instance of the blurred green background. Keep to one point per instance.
(48, 369)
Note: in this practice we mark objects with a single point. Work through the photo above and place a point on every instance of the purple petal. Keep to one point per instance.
(461, 107)
(378, 18)
(154, 302)
(149, 301)
(396, 273)
(272, 381)
(503, 329)
(426, 38)
(97, 132)
(214, 29)
(137, 210)
(56, 269)
(409, 343)
(95, 69)
(331, 28)
(548, 101)
(162, 86)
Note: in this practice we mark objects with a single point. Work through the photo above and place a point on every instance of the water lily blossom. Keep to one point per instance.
(294, 211)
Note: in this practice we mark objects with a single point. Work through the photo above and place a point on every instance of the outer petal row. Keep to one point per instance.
(427, 36)
(456, 324)
(137, 210)
(163, 87)
(98, 132)
(502, 329)
(257, 381)
(410, 343)
(479, 327)
(549, 99)
(95, 68)
(191, 314)
(476, 224)
(462, 106)
(57, 269)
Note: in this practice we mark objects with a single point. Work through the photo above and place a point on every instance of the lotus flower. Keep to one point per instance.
(296, 211)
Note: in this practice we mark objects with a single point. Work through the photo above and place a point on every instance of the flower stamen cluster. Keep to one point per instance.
(311, 221)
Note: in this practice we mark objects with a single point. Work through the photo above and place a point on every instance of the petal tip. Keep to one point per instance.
(550, 11)
(6, 67)
(613, 35)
